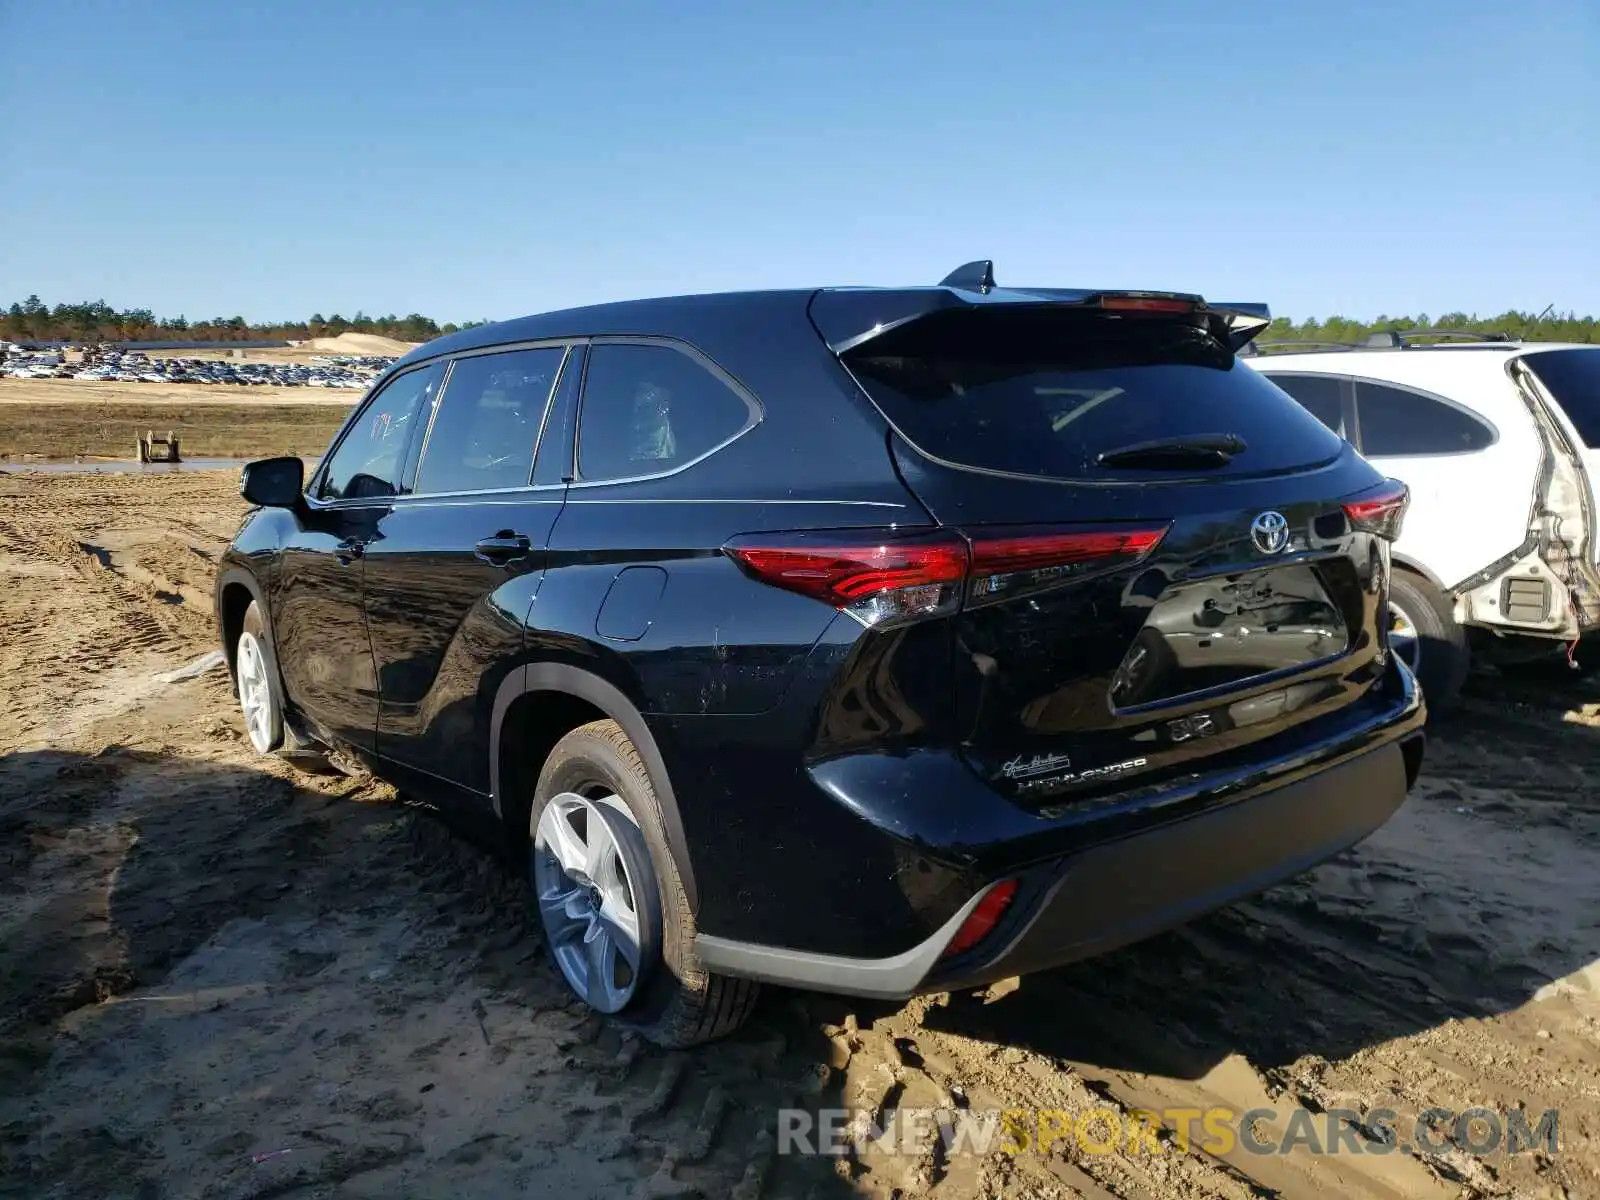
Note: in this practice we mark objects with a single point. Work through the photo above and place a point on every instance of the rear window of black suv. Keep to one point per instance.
(1042, 394)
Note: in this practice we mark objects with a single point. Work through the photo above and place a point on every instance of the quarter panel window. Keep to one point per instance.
(369, 460)
(484, 433)
(1320, 395)
(649, 409)
(1396, 422)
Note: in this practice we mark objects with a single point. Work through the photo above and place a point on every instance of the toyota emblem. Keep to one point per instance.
(1270, 532)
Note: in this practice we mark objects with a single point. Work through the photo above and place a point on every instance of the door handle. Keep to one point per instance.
(503, 547)
(349, 550)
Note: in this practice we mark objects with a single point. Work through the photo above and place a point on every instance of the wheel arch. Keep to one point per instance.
(236, 589)
(1416, 568)
(547, 700)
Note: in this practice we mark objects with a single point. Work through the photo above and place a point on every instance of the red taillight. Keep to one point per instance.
(1380, 510)
(879, 575)
(984, 917)
(1004, 562)
(875, 576)
(1165, 304)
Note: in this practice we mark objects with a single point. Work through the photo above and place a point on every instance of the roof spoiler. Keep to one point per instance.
(848, 318)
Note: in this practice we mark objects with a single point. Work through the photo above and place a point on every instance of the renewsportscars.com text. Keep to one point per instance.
(1105, 1130)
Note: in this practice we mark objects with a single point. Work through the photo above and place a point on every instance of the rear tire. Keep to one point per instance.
(675, 1002)
(1424, 633)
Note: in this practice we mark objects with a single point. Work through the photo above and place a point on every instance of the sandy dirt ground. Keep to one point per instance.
(223, 978)
(61, 418)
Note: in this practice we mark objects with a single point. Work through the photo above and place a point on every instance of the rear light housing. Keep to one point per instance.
(984, 916)
(1380, 510)
(877, 576)
(885, 576)
(1004, 564)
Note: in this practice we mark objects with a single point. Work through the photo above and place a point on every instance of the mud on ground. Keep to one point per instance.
(221, 978)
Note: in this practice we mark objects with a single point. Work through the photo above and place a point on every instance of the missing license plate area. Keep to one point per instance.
(1230, 629)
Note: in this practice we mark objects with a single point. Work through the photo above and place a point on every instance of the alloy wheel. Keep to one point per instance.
(255, 693)
(1404, 640)
(588, 898)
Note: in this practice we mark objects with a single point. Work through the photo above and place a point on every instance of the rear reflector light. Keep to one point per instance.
(1380, 510)
(984, 917)
(1163, 304)
(1003, 564)
(880, 575)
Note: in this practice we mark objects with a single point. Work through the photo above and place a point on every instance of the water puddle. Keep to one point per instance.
(117, 466)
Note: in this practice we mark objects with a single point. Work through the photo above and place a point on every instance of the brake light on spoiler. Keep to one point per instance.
(1380, 510)
(883, 576)
(1133, 302)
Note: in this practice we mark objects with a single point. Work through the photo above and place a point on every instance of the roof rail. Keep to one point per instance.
(1462, 335)
(1256, 348)
(1383, 339)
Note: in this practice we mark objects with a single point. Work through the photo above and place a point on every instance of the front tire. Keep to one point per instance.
(1424, 634)
(610, 899)
(256, 683)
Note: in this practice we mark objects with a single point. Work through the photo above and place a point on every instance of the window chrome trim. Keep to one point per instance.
(433, 416)
(755, 415)
(740, 500)
(550, 402)
(528, 495)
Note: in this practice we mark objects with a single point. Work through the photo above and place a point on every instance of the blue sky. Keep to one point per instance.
(492, 159)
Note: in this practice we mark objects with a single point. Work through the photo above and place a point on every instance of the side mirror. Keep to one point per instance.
(273, 482)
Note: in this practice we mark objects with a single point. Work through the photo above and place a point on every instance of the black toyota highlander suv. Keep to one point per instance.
(871, 640)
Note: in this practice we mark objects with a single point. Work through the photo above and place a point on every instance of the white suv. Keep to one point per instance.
(1499, 442)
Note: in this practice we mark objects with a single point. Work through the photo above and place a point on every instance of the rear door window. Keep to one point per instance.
(1320, 395)
(1044, 394)
(484, 433)
(1573, 378)
(1396, 422)
(648, 409)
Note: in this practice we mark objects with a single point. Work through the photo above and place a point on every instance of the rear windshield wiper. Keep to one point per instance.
(1195, 450)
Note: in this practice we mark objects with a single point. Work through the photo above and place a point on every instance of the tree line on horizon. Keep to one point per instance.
(97, 321)
(1520, 326)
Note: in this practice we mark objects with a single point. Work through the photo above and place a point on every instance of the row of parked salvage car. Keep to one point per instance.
(1498, 441)
(336, 371)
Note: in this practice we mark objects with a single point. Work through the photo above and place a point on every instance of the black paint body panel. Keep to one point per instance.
(828, 787)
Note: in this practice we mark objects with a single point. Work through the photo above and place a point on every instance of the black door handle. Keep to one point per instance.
(503, 547)
(349, 550)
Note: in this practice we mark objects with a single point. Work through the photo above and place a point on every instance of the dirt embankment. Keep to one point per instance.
(220, 978)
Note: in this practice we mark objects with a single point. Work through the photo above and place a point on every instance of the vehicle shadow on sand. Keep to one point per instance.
(216, 976)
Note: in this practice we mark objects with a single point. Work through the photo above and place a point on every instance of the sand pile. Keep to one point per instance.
(359, 343)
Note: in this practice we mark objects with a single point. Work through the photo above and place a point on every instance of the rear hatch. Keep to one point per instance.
(1170, 560)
